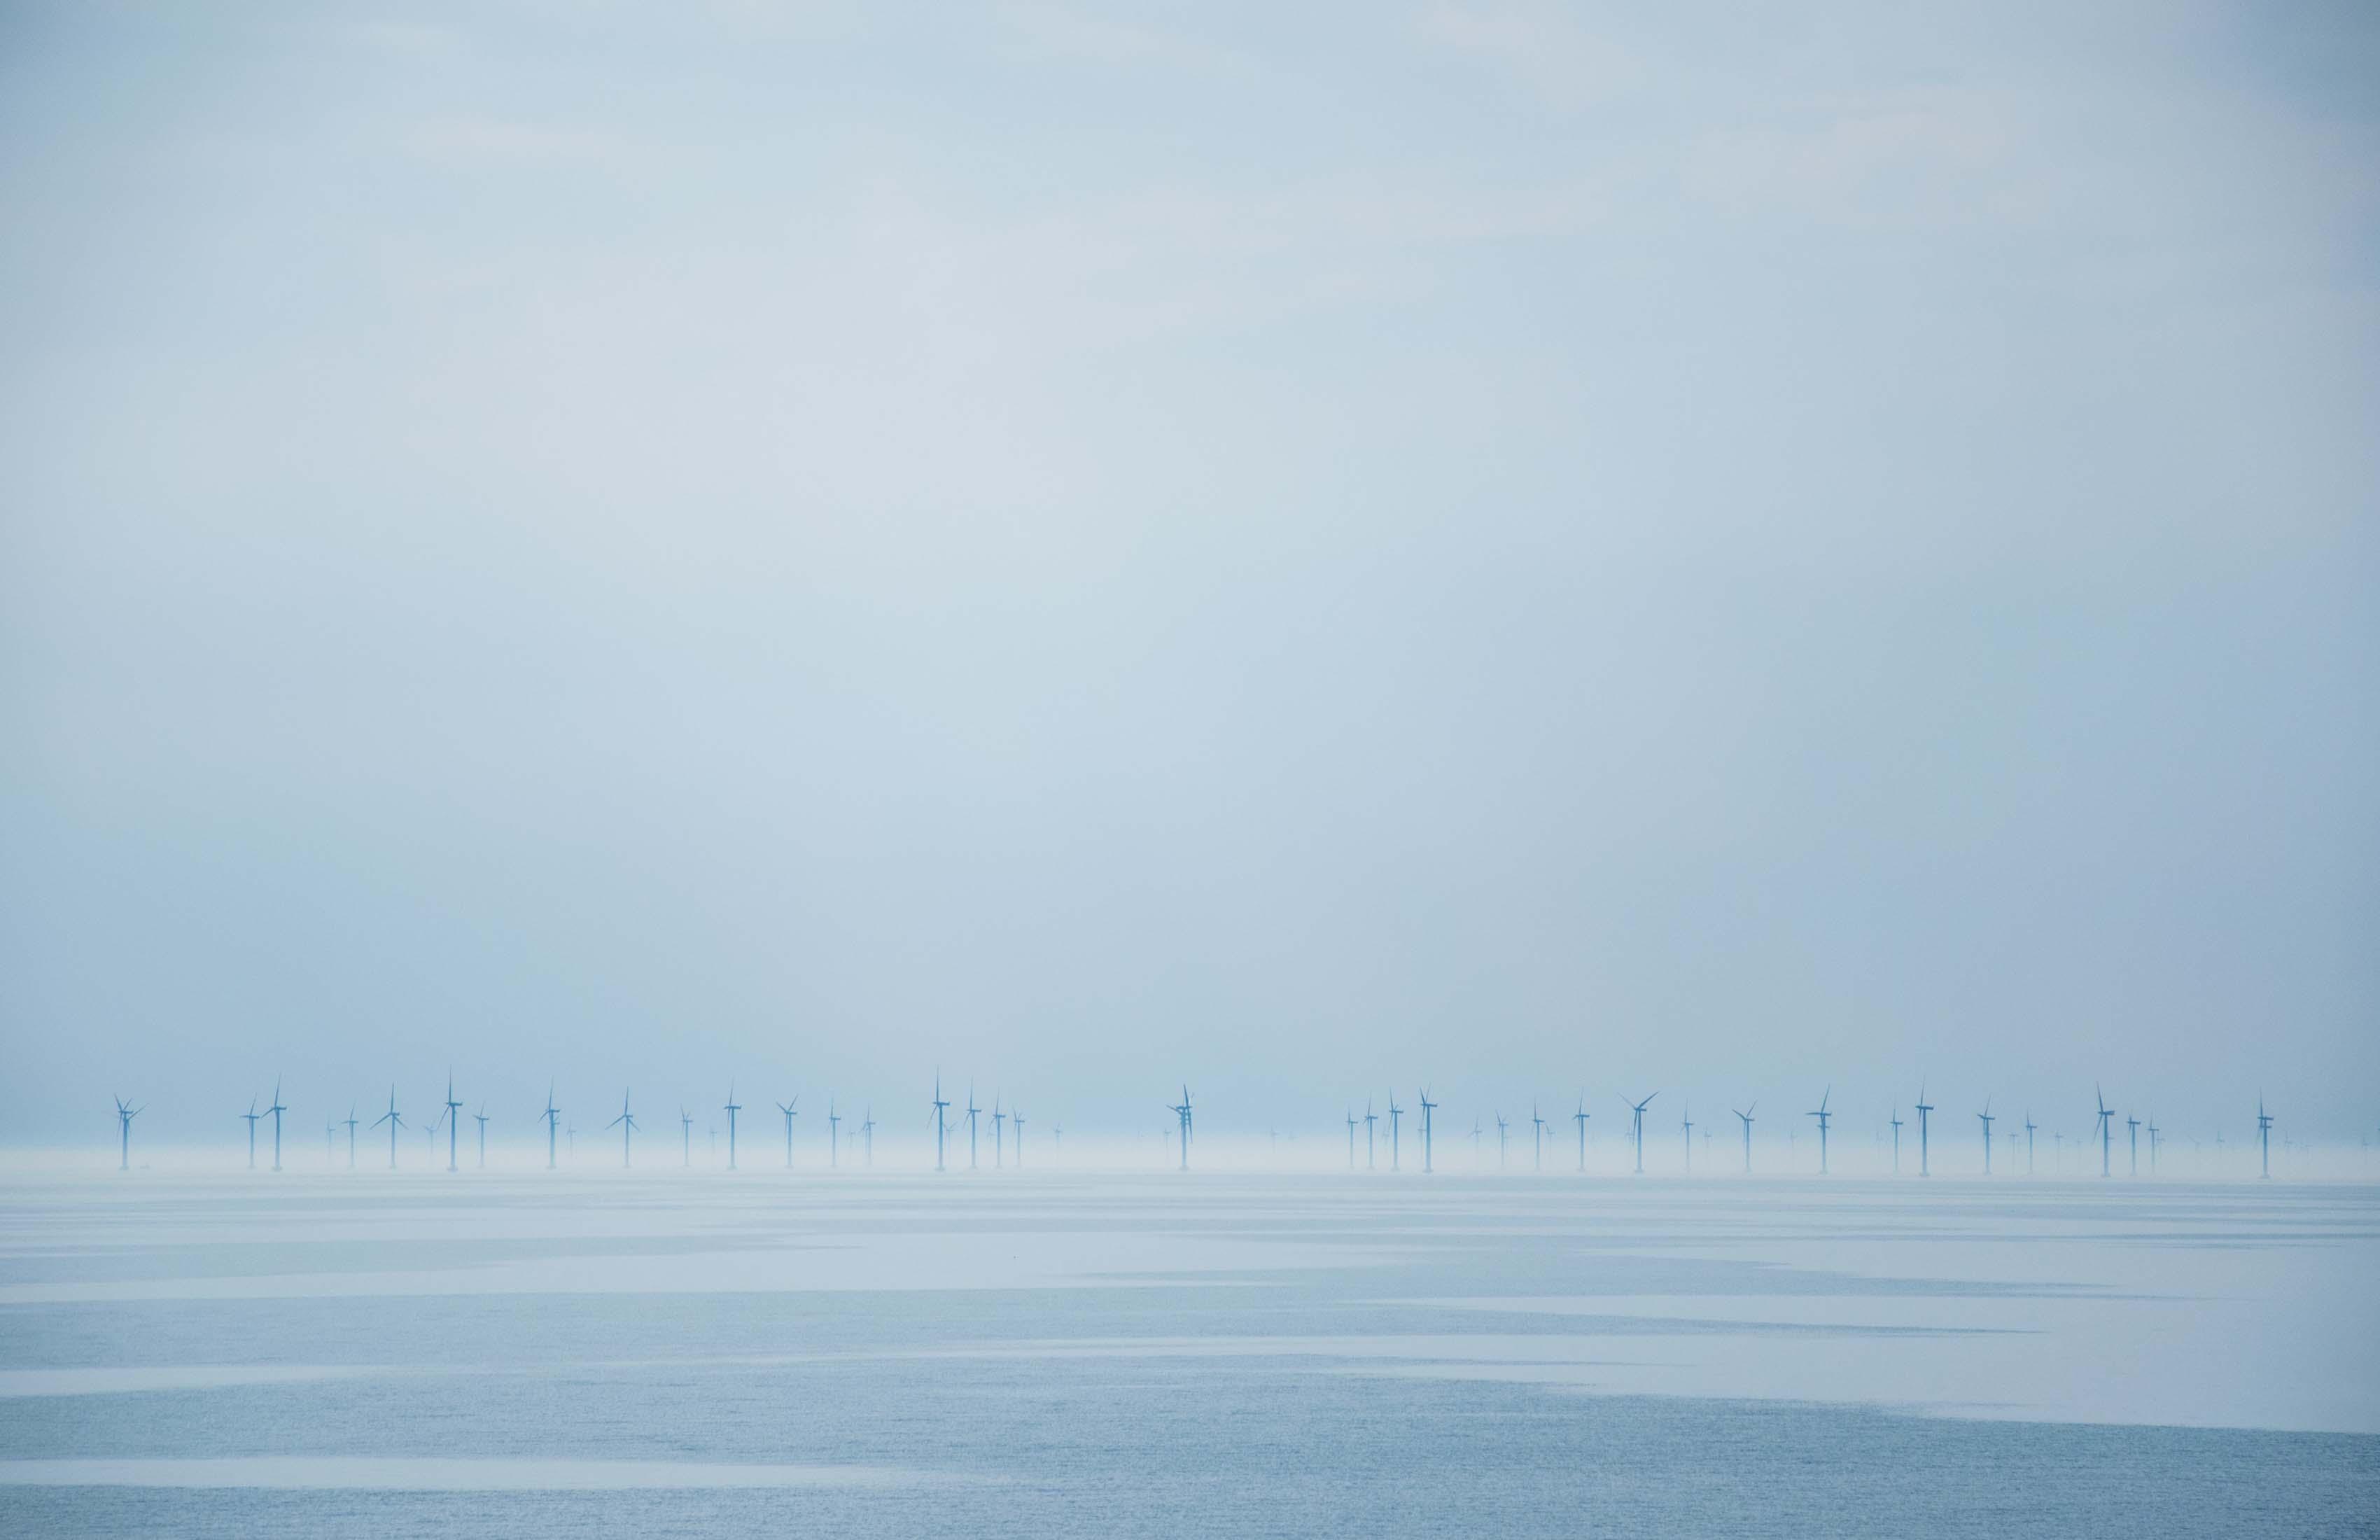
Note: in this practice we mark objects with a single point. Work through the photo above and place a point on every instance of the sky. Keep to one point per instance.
(1302, 549)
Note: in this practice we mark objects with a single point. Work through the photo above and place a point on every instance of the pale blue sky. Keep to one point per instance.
(1288, 547)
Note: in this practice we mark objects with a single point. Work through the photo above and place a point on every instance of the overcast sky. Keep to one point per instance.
(1297, 548)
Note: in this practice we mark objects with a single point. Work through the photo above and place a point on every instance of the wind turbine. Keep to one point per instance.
(2132, 1125)
(1427, 1106)
(1745, 1113)
(1822, 1116)
(276, 1110)
(481, 1117)
(1636, 1127)
(1986, 1116)
(686, 1137)
(999, 1134)
(251, 1115)
(2107, 1132)
(395, 1122)
(1579, 1117)
(2264, 1138)
(1896, 1141)
(1539, 1158)
(351, 1135)
(1925, 1138)
(787, 1108)
(834, 1134)
(2029, 1126)
(731, 1106)
(942, 1127)
(1351, 1138)
(1182, 1111)
(1370, 1161)
(1503, 1142)
(972, 1112)
(125, 1113)
(1016, 1126)
(1689, 1123)
(626, 1124)
(868, 1133)
(453, 1106)
(553, 1123)
(1396, 1128)
(2153, 1130)
(1475, 1141)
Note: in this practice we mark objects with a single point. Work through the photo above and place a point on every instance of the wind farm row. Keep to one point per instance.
(1376, 1139)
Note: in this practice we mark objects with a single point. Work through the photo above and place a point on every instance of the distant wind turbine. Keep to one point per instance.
(1896, 1140)
(1636, 1127)
(1182, 1110)
(1427, 1126)
(395, 1122)
(350, 1121)
(790, 1110)
(1986, 1116)
(999, 1134)
(1538, 1159)
(1503, 1142)
(1821, 1115)
(1925, 1138)
(686, 1137)
(867, 1136)
(2106, 1132)
(731, 1106)
(1688, 1125)
(1351, 1138)
(125, 1113)
(626, 1124)
(1016, 1126)
(453, 1106)
(2029, 1126)
(2132, 1125)
(2264, 1139)
(1579, 1117)
(276, 1110)
(941, 1125)
(481, 1117)
(973, 1111)
(1745, 1114)
(1396, 1130)
(1371, 1161)
(553, 1124)
(251, 1115)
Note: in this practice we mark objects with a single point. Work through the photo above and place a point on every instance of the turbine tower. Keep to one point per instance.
(941, 1125)
(1016, 1126)
(395, 1122)
(2132, 1125)
(1579, 1117)
(251, 1115)
(2106, 1132)
(999, 1134)
(276, 1110)
(2264, 1138)
(1986, 1116)
(833, 1136)
(1636, 1127)
(972, 1112)
(1538, 1159)
(1371, 1162)
(731, 1106)
(2029, 1126)
(1351, 1138)
(553, 1124)
(1745, 1113)
(125, 1113)
(481, 1117)
(1822, 1116)
(1896, 1141)
(1427, 1106)
(1182, 1111)
(351, 1135)
(626, 1124)
(1689, 1124)
(453, 1122)
(686, 1137)
(1396, 1130)
(1925, 1136)
(2154, 1141)
(1503, 1142)
(788, 1108)
(867, 1137)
